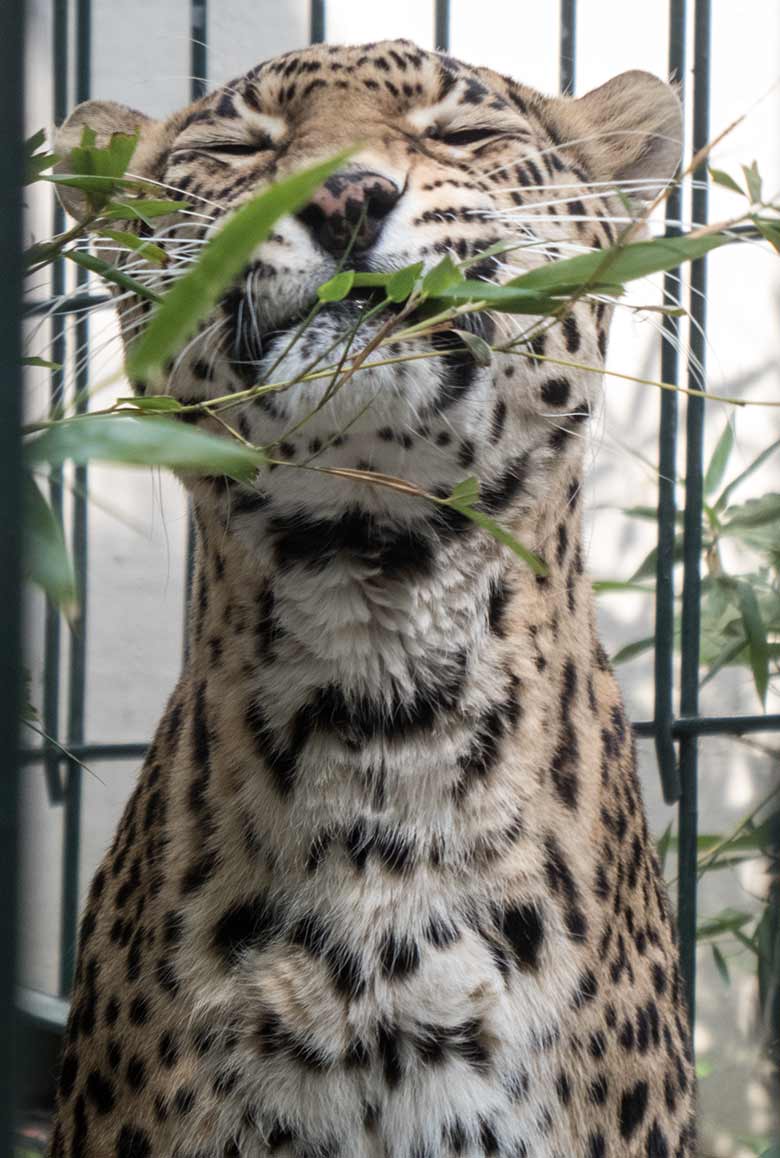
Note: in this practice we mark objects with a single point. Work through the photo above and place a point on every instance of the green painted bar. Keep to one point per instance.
(317, 22)
(666, 753)
(441, 35)
(71, 306)
(12, 14)
(694, 498)
(50, 708)
(79, 539)
(199, 65)
(714, 726)
(568, 47)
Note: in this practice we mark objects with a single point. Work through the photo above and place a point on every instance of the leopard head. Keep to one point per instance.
(447, 159)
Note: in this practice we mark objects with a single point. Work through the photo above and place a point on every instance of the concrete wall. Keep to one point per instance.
(137, 519)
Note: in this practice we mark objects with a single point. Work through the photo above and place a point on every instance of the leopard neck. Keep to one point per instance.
(369, 675)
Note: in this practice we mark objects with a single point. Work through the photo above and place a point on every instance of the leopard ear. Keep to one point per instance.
(106, 118)
(628, 130)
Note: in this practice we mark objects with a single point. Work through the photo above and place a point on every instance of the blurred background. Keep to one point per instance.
(100, 688)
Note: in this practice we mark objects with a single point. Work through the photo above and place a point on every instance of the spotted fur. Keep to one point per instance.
(385, 886)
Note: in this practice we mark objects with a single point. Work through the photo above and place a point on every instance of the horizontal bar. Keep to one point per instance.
(713, 725)
(79, 302)
(43, 1009)
(85, 752)
(686, 726)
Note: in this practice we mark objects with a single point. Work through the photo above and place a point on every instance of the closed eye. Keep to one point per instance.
(467, 136)
(228, 148)
(237, 149)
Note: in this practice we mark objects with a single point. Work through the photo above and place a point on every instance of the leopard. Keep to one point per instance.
(384, 887)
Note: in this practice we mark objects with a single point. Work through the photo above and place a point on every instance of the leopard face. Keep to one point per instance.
(446, 159)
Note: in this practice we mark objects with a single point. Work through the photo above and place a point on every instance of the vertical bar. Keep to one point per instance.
(771, 1012)
(198, 48)
(11, 163)
(691, 598)
(666, 752)
(317, 22)
(77, 666)
(53, 622)
(568, 50)
(199, 64)
(441, 39)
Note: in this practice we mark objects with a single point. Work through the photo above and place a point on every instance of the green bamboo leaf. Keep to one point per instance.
(403, 282)
(755, 631)
(632, 650)
(110, 273)
(110, 161)
(46, 559)
(753, 181)
(662, 846)
(768, 952)
(727, 492)
(137, 244)
(466, 491)
(37, 165)
(379, 280)
(727, 921)
(731, 653)
(44, 365)
(141, 209)
(502, 536)
(196, 292)
(721, 966)
(97, 186)
(338, 287)
(478, 347)
(156, 402)
(509, 298)
(719, 461)
(647, 568)
(98, 171)
(33, 143)
(753, 513)
(141, 441)
(769, 230)
(443, 276)
(728, 182)
(650, 513)
(605, 586)
(605, 269)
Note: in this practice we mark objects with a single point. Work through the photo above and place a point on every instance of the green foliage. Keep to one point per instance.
(195, 293)
(740, 613)
(46, 559)
(464, 498)
(145, 430)
(137, 440)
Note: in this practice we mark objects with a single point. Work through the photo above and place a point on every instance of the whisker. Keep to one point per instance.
(175, 189)
(600, 136)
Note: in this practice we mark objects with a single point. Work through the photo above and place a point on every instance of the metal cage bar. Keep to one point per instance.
(567, 54)
(441, 32)
(77, 665)
(12, 13)
(199, 64)
(666, 753)
(690, 629)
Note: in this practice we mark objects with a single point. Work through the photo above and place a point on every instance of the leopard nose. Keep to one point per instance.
(350, 205)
